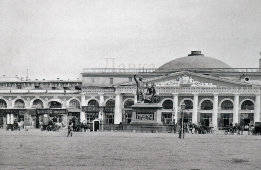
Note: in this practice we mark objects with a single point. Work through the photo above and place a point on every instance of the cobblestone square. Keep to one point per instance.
(34, 149)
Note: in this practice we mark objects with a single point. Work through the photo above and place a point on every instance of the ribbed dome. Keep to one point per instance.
(194, 60)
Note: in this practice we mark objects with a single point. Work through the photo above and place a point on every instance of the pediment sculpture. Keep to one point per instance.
(183, 81)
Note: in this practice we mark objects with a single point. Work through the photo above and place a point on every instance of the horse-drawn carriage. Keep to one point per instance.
(257, 128)
(230, 130)
(51, 126)
(15, 126)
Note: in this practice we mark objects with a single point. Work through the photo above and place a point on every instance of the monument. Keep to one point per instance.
(146, 113)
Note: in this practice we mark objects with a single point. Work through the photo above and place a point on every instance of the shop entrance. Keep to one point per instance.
(43, 116)
(226, 120)
(166, 118)
(96, 125)
(206, 119)
(247, 118)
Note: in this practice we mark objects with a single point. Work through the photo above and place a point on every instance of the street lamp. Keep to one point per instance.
(183, 106)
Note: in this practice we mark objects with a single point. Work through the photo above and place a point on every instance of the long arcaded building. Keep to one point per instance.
(215, 95)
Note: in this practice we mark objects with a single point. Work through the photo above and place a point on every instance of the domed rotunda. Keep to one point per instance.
(195, 60)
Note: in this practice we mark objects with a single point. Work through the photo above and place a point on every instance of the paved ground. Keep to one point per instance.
(119, 150)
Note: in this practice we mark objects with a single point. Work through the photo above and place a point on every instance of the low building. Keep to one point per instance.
(30, 101)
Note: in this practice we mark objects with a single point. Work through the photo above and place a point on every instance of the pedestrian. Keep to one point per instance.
(70, 128)
(248, 128)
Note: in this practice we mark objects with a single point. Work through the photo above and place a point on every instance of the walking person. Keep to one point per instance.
(70, 128)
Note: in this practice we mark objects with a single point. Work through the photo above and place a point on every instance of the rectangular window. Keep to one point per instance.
(130, 79)
(109, 118)
(111, 80)
(166, 118)
(19, 86)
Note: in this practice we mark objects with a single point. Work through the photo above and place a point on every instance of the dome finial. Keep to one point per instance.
(195, 53)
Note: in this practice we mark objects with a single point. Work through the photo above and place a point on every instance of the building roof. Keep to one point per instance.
(193, 60)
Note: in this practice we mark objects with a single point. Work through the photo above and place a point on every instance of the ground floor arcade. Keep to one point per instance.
(212, 110)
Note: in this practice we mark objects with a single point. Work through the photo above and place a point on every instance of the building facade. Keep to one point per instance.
(30, 101)
(215, 95)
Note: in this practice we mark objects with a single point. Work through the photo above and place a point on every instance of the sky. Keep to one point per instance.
(58, 38)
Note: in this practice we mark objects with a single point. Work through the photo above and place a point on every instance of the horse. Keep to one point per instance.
(58, 126)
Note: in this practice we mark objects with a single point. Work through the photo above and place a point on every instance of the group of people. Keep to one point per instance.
(76, 125)
(193, 128)
(239, 128)
(145, 93)
(51, 123)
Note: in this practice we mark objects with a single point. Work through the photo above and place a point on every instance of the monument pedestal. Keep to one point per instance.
(146, 117)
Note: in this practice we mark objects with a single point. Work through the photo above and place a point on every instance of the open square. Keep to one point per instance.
(34, 149)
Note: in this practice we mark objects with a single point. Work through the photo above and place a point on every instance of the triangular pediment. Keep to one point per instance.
(190, 79)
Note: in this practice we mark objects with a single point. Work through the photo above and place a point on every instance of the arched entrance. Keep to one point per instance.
(226, 115)
(20, 113)
(109, 112)
(167, 113)
(3, 105)
(127, 111)
(247, 112)
(93, 110)
(38, 104)
(206, 108)
(188, 110)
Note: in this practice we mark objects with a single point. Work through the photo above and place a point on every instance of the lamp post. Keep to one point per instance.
(182, 119)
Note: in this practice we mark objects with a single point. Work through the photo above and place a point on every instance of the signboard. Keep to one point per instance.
(51, 111)
(9, 111)
(90, 109)
(109, 109)
(17, 111)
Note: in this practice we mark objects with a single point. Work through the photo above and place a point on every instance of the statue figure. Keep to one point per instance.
(140, 89)
(149, 96)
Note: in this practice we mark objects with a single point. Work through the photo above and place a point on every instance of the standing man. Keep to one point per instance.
(70, 128)
(140, 89)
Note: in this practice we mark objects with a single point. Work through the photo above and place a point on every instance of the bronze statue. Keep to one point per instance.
(149, 96)
(140, 89)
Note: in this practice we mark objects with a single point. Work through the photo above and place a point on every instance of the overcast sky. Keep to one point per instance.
(58, 38)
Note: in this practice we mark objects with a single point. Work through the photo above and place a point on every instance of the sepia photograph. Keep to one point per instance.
(130, 84)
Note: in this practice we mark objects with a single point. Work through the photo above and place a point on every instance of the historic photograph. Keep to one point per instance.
(130, 84)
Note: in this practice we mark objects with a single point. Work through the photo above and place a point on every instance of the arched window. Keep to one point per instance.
(3, 104)
(127, 111)
(110, 103)
(227, 105)
(93, 103)
(128, 103)
(206, 105)
(19, 103)
(55, 104)
(167, 104)
(188, 103)
(93, 112)
(109, 111)
(74, 104)
(247, 105)
(37, 103)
